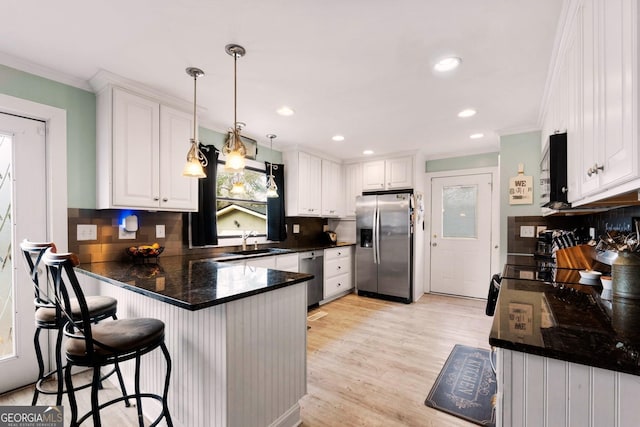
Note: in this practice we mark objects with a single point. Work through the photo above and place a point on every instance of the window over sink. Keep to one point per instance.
(241, 201)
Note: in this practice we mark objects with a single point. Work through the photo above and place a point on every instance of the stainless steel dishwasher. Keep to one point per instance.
(311, 263)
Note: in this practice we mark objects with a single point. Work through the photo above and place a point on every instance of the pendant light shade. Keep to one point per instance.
(272, 188)
(196, 160)
(234, 150)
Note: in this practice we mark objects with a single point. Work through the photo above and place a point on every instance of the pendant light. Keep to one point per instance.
(195, 158)
(272, 188)
(234, 150)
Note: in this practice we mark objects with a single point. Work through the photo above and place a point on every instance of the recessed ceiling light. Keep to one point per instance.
(285, 111)
(447, 64)
(367, 152)
(337, 138)
(469, 112)
(476, 136)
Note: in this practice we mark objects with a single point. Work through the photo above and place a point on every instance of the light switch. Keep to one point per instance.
(87, 232)
(527, 231)
(296, 228)
(160, 231)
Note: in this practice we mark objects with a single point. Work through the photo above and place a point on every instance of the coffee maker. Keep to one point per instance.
(331, 237)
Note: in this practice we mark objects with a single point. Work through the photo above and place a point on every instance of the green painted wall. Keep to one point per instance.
(211, 137)
(463, 162)
(522, 148)
(81, 127)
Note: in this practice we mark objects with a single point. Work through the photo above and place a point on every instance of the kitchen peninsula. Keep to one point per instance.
(568, 353)
(236, 334)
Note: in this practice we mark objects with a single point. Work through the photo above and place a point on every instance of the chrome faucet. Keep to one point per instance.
(245, 236)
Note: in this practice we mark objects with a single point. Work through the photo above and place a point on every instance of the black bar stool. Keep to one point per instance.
(94, 345)
(47, 317)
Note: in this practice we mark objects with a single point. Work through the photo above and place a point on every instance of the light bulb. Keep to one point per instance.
(235, 161)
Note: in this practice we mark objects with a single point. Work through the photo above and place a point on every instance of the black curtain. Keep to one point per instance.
(276, 230)
(204, 226)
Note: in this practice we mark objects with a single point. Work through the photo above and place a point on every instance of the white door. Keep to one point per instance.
(461, 235)
(23, 209)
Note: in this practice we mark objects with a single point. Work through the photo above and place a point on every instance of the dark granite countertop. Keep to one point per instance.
(564, 319)
(190, 282)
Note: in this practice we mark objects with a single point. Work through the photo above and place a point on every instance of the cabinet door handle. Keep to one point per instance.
(155, 199)
(339, 267)
(165, 199)
(595, 169)
(339, 284)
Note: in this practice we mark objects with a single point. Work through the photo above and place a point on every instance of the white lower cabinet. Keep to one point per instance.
(285, 262)
(338, 272)
(288, 262)
(264, 261)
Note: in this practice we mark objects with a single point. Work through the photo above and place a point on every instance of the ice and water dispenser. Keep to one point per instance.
(366, 237)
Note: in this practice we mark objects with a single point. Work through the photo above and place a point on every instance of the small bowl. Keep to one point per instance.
(590, 274)
(606, 282)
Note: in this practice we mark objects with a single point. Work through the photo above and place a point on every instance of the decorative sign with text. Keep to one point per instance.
(521, 190)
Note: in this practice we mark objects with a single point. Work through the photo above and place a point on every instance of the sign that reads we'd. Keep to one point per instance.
(521, 190)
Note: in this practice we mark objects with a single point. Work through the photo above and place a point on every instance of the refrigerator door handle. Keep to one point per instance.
(377, 235)
(374, 235)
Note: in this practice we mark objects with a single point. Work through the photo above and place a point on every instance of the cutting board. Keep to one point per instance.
(580, 257)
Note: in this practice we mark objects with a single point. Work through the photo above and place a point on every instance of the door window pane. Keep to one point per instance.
(6, 280)
(459, 211)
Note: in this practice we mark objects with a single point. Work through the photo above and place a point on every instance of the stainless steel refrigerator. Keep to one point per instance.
(384, 245)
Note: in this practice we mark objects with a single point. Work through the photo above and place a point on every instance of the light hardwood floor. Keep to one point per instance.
(370, 362)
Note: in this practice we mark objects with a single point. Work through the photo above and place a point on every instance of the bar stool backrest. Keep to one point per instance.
(66, 286)
(33, 253)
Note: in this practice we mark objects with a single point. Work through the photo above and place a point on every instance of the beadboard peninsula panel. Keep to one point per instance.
(547, 392)
(266, 344)
(237, 364)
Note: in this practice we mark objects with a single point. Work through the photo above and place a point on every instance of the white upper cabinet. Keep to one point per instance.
(176, 191)
(332, 189)
(594, 94)
(135, 167)
(618, 154)
(353, 187)
(141, 149)
(399, 173)
(373, 175)
(388, 174)
(303, 184)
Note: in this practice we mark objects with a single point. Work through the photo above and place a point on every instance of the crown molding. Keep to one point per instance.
(44, 72)
(103, 79)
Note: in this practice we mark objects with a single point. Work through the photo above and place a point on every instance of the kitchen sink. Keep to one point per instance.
(260, 251)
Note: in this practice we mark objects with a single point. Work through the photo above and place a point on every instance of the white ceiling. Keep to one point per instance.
(360, 68)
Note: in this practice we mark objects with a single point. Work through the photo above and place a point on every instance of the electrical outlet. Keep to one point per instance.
(296, 228)
(527, 231)
(87, 232)
(540, 229)
(126, 235)
(160, 231)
